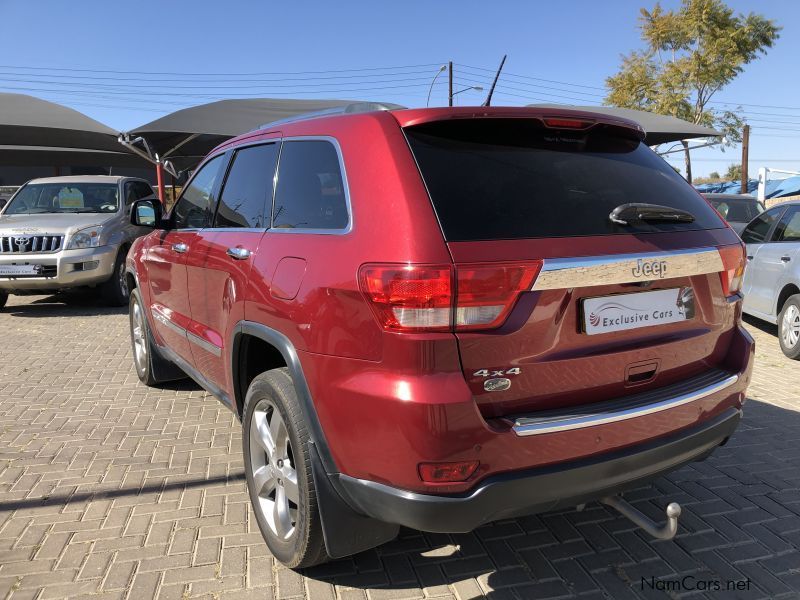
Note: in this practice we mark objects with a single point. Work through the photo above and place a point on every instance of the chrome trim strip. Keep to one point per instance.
(204, 344)
(167, 322)
(564, 273)
(525, 426)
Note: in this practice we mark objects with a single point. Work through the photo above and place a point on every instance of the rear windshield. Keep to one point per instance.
(511, 178)
(737, 209)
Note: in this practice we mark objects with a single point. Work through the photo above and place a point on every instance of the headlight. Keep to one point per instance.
(85, 238)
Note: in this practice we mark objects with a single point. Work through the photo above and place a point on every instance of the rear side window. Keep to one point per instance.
(248, 188)
(757, 231)
(310, 191)
(741, 211)
(512, 178)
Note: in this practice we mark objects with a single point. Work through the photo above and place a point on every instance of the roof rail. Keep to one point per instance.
(347, 109)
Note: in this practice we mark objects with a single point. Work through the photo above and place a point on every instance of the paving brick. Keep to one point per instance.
(146, 497)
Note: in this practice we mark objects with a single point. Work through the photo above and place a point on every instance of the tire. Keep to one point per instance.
(278, 470)
(151, 367)
(789, 327)
(115, 291)
(3, 299)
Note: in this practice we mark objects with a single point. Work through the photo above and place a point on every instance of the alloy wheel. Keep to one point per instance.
(122, 280)
(790, 326)
(274, 474)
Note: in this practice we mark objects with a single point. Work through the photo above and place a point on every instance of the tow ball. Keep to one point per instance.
(664, 532)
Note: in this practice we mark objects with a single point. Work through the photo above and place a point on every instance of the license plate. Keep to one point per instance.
(19, 270)
(631, 311)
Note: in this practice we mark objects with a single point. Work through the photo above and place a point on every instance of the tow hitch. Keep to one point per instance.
(665, 532)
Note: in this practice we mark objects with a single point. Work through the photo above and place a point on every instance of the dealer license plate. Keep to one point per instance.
(631, 311)
(19, 270)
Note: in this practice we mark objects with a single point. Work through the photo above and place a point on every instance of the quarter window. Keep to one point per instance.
(757, 231)
(788, 229)
(310, 193)
(196, 203)
(248, 188)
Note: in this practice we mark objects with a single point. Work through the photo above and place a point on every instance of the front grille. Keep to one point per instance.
(29, 244)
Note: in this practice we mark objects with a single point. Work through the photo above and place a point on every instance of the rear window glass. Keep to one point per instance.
(511, 178)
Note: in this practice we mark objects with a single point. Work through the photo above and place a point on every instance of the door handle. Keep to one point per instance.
(239, 253)
(749, 258)
(180, 248)
(786, 258)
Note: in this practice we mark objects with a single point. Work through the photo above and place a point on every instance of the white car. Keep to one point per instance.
(772, 279)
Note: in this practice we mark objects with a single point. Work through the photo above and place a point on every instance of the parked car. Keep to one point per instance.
(438, 318)
(772, 280)
(58, 233)
(737, 209)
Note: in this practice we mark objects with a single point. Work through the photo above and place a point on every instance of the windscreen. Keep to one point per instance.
(38, 198)
(512, 178)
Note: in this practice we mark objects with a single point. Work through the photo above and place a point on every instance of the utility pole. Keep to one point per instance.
(745, 156)
(450, 83)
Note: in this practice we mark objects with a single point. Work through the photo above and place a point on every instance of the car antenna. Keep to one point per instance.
(488, 100)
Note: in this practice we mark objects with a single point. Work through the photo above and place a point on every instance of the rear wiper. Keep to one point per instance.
(652, 213)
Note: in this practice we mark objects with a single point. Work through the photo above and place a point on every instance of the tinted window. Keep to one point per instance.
(756, 232)
(500, 179)
(740, 211)
(195, 204)
(142, 189)
(248, 188)
(310, 192)
(788, 229)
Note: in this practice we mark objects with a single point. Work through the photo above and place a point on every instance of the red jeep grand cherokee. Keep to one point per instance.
(438, 318)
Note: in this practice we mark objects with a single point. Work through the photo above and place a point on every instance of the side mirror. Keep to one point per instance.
(147, 213)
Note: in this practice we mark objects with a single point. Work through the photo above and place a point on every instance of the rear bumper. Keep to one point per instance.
(73, 268)
(539, 490)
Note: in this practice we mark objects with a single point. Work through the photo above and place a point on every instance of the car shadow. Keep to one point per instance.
(761, 325)
(67, 304)
(740, 524)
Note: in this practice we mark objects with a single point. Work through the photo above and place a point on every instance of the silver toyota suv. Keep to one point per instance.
(65, 232)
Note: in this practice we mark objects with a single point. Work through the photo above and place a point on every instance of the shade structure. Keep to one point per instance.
(30, 156)
(659, 129)
(28, 121)
(194, 131)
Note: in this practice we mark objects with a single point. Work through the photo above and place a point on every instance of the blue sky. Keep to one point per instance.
(106, 58)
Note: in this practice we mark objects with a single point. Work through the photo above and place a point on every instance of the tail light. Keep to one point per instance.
(449, 472)
(440, 298)
(733, 268)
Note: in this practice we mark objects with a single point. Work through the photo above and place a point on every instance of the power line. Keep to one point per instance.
(245, 74)
(592, 87)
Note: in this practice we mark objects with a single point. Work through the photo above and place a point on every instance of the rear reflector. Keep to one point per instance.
(426, 297)
(733, 268)
(449, 472)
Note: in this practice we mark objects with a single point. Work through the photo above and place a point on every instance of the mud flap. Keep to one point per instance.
(345, 531)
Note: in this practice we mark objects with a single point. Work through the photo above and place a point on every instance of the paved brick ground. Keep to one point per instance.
(109, 489)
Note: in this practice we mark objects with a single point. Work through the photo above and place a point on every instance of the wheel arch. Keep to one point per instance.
(790, 289)
(276, 345)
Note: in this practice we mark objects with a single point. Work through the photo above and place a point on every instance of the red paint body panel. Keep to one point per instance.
(388, 401)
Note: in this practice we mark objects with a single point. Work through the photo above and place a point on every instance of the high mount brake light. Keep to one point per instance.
(562, 123)
(413, 298)
(733, 264)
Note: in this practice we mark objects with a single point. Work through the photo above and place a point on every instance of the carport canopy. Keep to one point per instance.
(26, 121)
(659, 129)
(193, 132)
